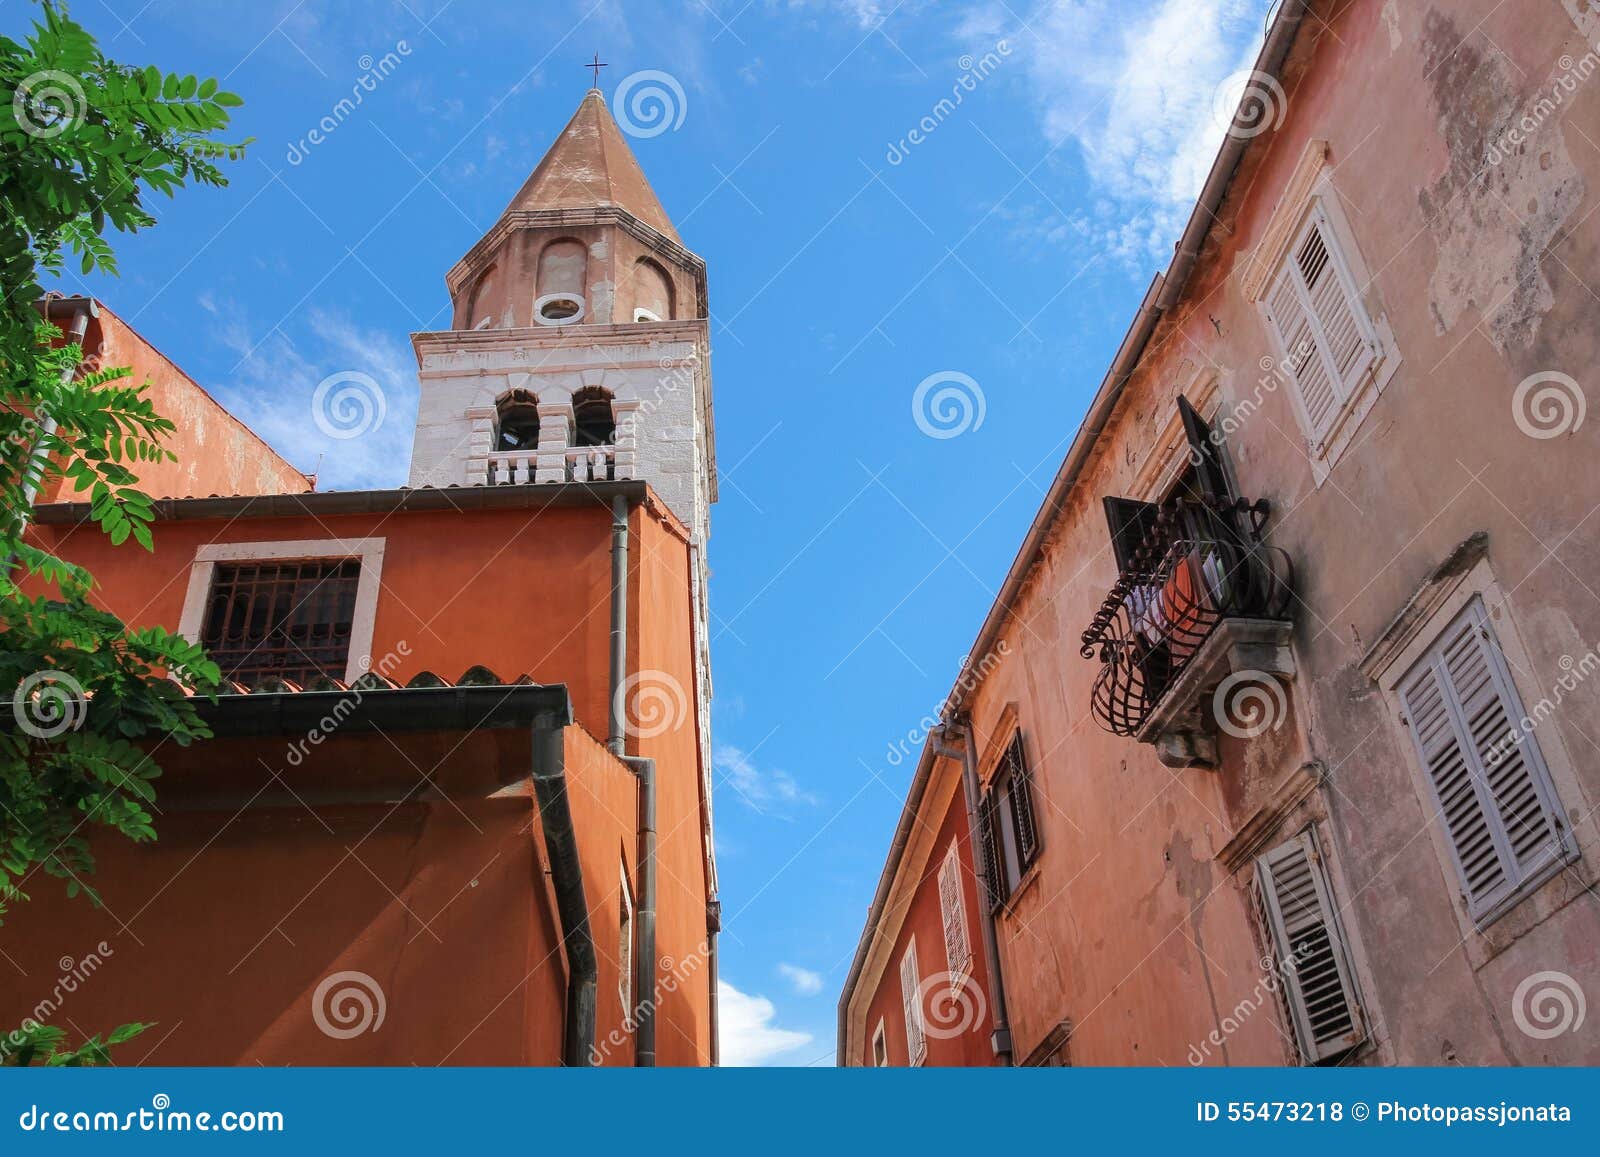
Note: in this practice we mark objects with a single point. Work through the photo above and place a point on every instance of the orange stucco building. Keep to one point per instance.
(1279, 738)
(427, 830)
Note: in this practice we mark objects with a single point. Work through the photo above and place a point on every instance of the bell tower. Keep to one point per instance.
(579, 346)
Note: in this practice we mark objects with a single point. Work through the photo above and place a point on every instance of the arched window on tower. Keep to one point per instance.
(652, 292)
(517, 421)
(480, 311)
(594, 425)
(562, 267)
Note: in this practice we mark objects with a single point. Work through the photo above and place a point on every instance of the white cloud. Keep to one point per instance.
(763, 791)
(271, 387)
(804, 981)
(1136, 88)
(747, 1035)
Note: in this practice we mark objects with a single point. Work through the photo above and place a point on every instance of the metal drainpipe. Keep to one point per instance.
(36, 457)
(561, 844)
(714, 926)
(619, 622)
(1001, 1040)
(644, 1033)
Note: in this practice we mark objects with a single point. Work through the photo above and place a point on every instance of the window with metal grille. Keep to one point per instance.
(1006, 819)
(286, 619)
(911, 1005)
(953, 912)
(1489, 782)
(1325, 339)
(1314, 968)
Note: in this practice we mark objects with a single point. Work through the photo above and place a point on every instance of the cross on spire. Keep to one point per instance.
(597, 65)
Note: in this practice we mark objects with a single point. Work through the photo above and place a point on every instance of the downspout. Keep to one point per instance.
(615, 737)
(39, 453)
(1001, 1039)
(572, 905)
(644, 1010)
(713, 927)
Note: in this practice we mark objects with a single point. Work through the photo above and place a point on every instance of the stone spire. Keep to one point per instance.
(591, 165)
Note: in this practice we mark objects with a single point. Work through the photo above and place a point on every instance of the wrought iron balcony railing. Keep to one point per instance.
(1200, 565)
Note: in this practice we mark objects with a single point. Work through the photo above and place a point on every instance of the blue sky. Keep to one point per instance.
(854, 554)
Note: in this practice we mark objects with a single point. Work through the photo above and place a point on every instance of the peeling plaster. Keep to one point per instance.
(1492, 222)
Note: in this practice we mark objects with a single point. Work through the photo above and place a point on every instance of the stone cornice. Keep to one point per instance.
(478, 256)
(554, 337)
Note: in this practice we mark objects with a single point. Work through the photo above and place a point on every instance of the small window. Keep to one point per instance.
(1318, 985)
(880, 1047)
(1326, 342)
(1010, 836)
(911, 1005)
(953, 913)
(517, 425)
(1488, 779)
(558, 309)
(291, 620)
(642, 314)
(625, 948)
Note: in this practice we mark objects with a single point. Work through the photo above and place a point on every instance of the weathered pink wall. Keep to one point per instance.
(1136, 932)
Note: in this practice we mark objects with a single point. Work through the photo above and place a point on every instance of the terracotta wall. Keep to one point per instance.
(958, 1032)
(1138, 931)
(217, 453)
(518, 592)
(223, 930)
(667, 728)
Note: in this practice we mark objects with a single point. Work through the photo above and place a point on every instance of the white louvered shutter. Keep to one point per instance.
(1314, 966)
(953, 911)
(1489, 780)
(911, 1005)
(1326, 338)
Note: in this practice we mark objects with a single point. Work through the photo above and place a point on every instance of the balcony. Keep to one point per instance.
(560, 464)
(1201, 598)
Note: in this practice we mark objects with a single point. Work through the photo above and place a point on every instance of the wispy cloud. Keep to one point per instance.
(802, 980)
(275, 379)
(764, 791)
(1136, 89)
(747, 1034)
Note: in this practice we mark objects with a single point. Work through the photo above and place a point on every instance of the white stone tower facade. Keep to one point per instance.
(579, 348)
